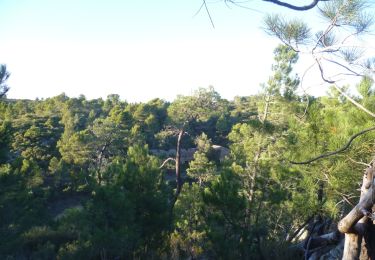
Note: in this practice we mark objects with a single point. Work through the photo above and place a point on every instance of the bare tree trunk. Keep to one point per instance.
(178, 163)
(368, 242)
(352, 246)
(99, 163)
(266, 108)
(253, 176)
(355, 223)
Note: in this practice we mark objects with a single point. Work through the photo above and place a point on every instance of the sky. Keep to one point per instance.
(138, 49)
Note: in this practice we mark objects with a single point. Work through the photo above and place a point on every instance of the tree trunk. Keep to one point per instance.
(253, 175)
(352, 246)
(178, 163)
(266, 108)
(356, 224)
(99, 163)
(368, 242)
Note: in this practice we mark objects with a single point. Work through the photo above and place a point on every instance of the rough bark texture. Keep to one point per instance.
(253, 176)
(356, 224)
(346, 225)
(352, 246)
(178, 163)
(368, 247)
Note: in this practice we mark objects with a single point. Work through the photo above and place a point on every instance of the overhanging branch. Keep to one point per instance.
(294, 7)
(339, 90)
(346, 146)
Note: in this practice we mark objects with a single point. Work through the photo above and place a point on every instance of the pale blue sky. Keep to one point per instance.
(138, 49)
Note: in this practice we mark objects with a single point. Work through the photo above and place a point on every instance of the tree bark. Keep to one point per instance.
(253, 175)
(352, 247)
(99, 162)
(266, 108)
(178, 163)
(368, 242)
(364, 205)
(354, 225)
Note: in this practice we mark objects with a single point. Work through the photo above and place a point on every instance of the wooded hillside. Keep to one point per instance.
(78, 180)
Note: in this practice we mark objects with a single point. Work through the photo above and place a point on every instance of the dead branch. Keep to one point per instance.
(353, 101)
(298, 230)
(167, 160)
(319, 241)
(360, 163)
(208, 13)
(360, 210)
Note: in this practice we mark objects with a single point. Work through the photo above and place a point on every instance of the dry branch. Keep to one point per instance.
(165, 162)
(349, 223)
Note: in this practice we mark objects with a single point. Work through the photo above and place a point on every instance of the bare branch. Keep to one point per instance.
(208, 13)
(338, 47)
(354, 219)
(298, 230)
(342, 92)
(199, 10)
(304, 91)
(346, 146)
(327, 31)
(353, 101)
(322, 73)
(294, 7)
(240, 4)
(361, 163)
(345, 67)
(165, 162)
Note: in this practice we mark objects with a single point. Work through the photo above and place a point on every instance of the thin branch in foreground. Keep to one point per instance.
(208, 13)
(199, 10)
(346, 146)
(342, 92)
(240, 4)
(294, 7)
(353, 101)
(304, 91)
(354, 73)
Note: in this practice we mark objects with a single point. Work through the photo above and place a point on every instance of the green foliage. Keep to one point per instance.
(5, 138)
(4, 75)
(127, 218)
(224, 214)
(189, 238)
(290, 32)
(77, 180)
(201, 168)
(200, 107)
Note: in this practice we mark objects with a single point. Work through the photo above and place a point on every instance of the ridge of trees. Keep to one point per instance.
(77, 179)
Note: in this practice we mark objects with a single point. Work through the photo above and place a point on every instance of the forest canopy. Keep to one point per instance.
(274, 175)
(97, 178)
